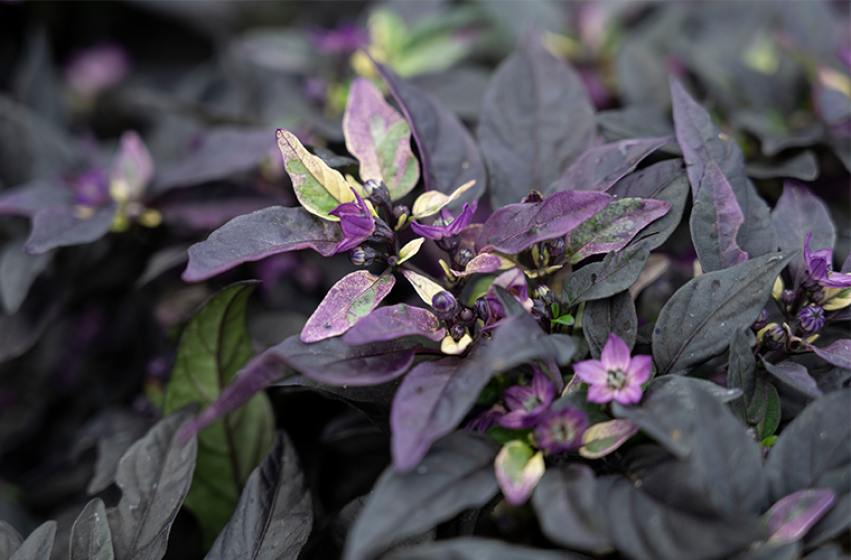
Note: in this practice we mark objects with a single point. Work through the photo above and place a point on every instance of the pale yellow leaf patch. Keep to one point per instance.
(431, 202)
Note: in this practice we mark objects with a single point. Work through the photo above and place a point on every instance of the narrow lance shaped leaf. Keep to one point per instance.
(275, 513)
(715, 222)
(598, 169)
(741, 369)
(614, 227)
(602, 317)
(154, 476)
(615, 273)
(790, 518)
(39, 544)
(380, 138)
(259, 235)
(214, 346)
(457, 474)
(17, 273)
(350, 299)
(799, 212)
(449, 154)
(10, 540)
(389, 323)
(535, 120)
(318, 188)
(690, 326)
(425, 287)
(91, 538)
(516, 227)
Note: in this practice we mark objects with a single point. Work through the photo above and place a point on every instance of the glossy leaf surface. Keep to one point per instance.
(797, 213)
(392, 322)
(715, 222)
(91, 538)
(615, 273)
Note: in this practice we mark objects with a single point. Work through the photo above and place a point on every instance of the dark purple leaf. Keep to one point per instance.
(162, 261)
(638, 121)
(29, 198)
(275, 513)
(666, 181)
(602, 317)
(613, 227)
(218, 154)
(837, 353)
(19, 332)
(790, 518)
(776, 136)
(457, 474)
(58, 226)
(38, 545)
(516, 227)
(535, 121)
(703, 142)
(259, 235)
(615, 273)
(349, 300)
(334, 362)
(741, 370)
(91, 538)
(799, 212)
(813, 451)
(691, 326)
(598, 169)
(791, 551)
(715, 222)
(17, 273)
(211, 214)
(389, 323)
(803, 166)
(435, 396)
(10, 540)
(796, 376)
(566, 503)
(449, 155)
(154, 476)
(477, 548)
(831, 525)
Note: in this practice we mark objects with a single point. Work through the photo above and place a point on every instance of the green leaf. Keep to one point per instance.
(213, 347)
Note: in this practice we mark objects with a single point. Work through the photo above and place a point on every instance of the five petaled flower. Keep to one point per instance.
(357, 223)
(528, 404)
(447, 225)
(820, 267)
(615, 376)
(561, 430)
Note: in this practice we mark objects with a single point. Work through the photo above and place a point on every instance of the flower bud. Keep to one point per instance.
(457, 332)
(378, 193)
(761, 321)
(445, 305)
(811, 319)
(401, 210)
(382, 233)
(787, 297)
(555, 247)
(543, 293)
(772, 336)
(482, 309)
(463, 256)
(817, 296)
(449, 243)
(467, 316)
(362, 256)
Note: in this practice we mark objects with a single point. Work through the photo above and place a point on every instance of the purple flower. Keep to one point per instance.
(344, 39)
(528, 404)
(95, 69)
(615, 376)
(486, 420)
(91, 187)
(561, 430)
(514, 282)
(820, 267)
(447, 225)
(811, 318)
(357, 223)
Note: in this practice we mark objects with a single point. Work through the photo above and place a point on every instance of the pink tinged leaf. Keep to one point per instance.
(518, 470)
(350, 299)
(59, 226)
(389, 323)
(258, 235)
(799, 212)
(132, 168)
(838, 353)
(29, 198)
(516, 227)
(380, 138)
(598, 169)
(790, 518)
(715, 222)
(602, 439)
(481, 264)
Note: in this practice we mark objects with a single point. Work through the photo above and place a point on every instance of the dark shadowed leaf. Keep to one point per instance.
(162, 261)
(566, 503)
(29, 198)
(599, 168)
(615, 273)
(694, 324)
(350, 299)
(666, 181)
(803, 166)
(791, 551)
(615, 314)
(449, 155)
(392, 322)
(274, 515)
(647, 529)
(214, 346)
(38, 545)
(112, 431)
(334, 362)
(814, 451)
(833, 524)
(10, 540)
(837, 353)
(218, 153)
(790, 518)
(57, 226)
(715, 222)
(20, 331)
(91, 538)
(457, 474)
(774, 134)
(613, 227)
(516, 227)
(638, 121)
(17, 273)
(154, 477)
(720, 473)
(435, 396)
(741, 370)
(794, 375)
(477, 548)
(259, 235)
(535, 121)
(703, 142)
(799, 212)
